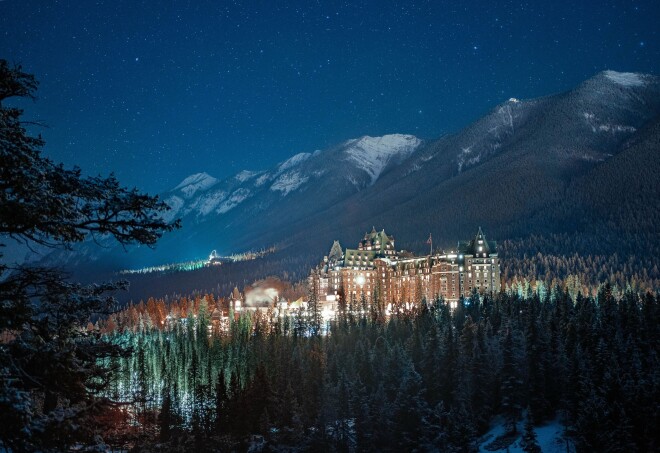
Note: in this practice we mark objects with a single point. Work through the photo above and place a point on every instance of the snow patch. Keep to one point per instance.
(596, 126)
(245, 175)
(236, 198)
(465, 158)
(175, 203)
(261, 180)
(354, 181)
(372, 154)
(626, 79)
(614, 128)
(505, 111)
(550, 438)
(293, 161)
(413, 168)
(514, 100)
(288, 182)
(196, 182)
(208, 202)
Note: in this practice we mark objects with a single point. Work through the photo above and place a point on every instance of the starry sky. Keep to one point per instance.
(155, 90)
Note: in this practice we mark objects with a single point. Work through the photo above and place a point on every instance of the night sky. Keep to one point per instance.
(156, 90)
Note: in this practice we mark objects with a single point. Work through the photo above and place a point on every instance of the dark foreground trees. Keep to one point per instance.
(49, 364)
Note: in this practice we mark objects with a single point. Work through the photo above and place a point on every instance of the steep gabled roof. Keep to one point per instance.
(335, 252)
(470, 247)
(380, 237)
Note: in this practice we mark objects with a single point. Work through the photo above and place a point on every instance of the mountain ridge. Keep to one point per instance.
(511, 171)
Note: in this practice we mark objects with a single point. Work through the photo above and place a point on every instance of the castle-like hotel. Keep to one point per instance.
(376, 271)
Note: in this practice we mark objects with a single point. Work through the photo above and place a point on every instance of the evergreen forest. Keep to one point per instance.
(431, 379)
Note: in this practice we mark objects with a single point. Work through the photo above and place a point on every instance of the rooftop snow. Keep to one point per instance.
(372, 154)
(627, 79)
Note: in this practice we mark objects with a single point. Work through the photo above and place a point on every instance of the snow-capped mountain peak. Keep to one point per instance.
(246, 175)
(372, 154)
(293, 161)
(196, 182)
(626, 79)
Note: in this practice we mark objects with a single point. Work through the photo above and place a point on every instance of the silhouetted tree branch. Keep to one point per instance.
(51, 367)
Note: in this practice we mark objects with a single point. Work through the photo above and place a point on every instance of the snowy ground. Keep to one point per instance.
(550, 438)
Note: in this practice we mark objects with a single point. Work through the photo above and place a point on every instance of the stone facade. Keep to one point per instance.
(375, 271)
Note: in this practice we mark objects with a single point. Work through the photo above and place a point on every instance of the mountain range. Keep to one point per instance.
(582, 164)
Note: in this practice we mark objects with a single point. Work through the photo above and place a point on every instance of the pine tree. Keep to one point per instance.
(314, 306)
(221, 404)
(529, 441)
(165, 419)
(48, 357)
(510, 388)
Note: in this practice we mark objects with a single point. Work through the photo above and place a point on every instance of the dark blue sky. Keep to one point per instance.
(155, 90)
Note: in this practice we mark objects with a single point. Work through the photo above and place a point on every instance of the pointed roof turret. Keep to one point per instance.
(472, 247)
(336, 252)
(480, 241)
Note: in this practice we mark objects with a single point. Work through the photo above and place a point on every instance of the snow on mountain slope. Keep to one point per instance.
(236, 198)
(485, 137)
(202, 195)
(175, 203)
(597, 125)
(195, 183)
(627, 79)
(288, 182)
(246, 175)
(208, 202)
(372, 154)
(293, 161)
(261, 180)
